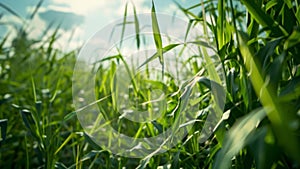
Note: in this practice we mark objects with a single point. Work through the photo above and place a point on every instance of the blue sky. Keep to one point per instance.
(76, 17)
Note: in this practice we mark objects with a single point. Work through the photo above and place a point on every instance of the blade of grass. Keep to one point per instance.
(123, 25)
(186, 11)
(171, 46)
(157, 36)
(220, 23)
(237, 138)
(268, 97)
(37, 7)
(64, 143)
(27, 154)
(113, 85)
(3, 126)
(293, 39)
(10, 11)
(33, 89)
(30, 123)
(262, 18)
(155, 55)
(137, 28)
(218, 93)
(258, 14)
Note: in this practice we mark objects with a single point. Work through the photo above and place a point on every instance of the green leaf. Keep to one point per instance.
(33, 88)
(69, 116)
(188, 29)
(288, 3)
(267, 51)
(187, 12)
(264, 150)
(156, 54)
(10, 10)
(220, 23)
(113, 85)
(276, 69)
(124, 24)
(64, 143)
(6, 98)
(293, 39)
(297, 15)
(137, 28)
(269, 99)
(158, 126)
(36, 9)
(203, 44)
(30, 123)
(88, 139)
(176, 160)
(108, 58)
(237, 138)
(271, 4)
(157, 35)
(291, 91)
(143, 163)
(92, 154)
(27, 118)
(171, 46)
(258, 14)
(3, 126)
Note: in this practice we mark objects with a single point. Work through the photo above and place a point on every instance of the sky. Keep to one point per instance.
(77, 19)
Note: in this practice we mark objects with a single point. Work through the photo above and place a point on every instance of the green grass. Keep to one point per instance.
(258, 45)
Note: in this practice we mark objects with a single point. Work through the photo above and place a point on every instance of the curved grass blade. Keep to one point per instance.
(291, 91)
(156, 54)
(191, 22)
(268, 97)
(171, 46)
(262, 18)
(258, 14)
(293, 39)
(237, 138)
(187, 12)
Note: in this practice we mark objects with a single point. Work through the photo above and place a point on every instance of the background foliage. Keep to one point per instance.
(258, 44)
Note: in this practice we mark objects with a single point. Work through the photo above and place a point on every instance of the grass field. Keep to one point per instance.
(257, 45)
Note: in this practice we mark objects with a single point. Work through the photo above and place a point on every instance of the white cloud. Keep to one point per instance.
(69, 39)
(78, 6)
(172, 9)
(138, 4)
(37, 27)
(30, 9)
(112, 8)
(96, 13)
(12, 22)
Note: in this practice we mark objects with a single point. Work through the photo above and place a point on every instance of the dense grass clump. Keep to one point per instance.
(257, 43)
